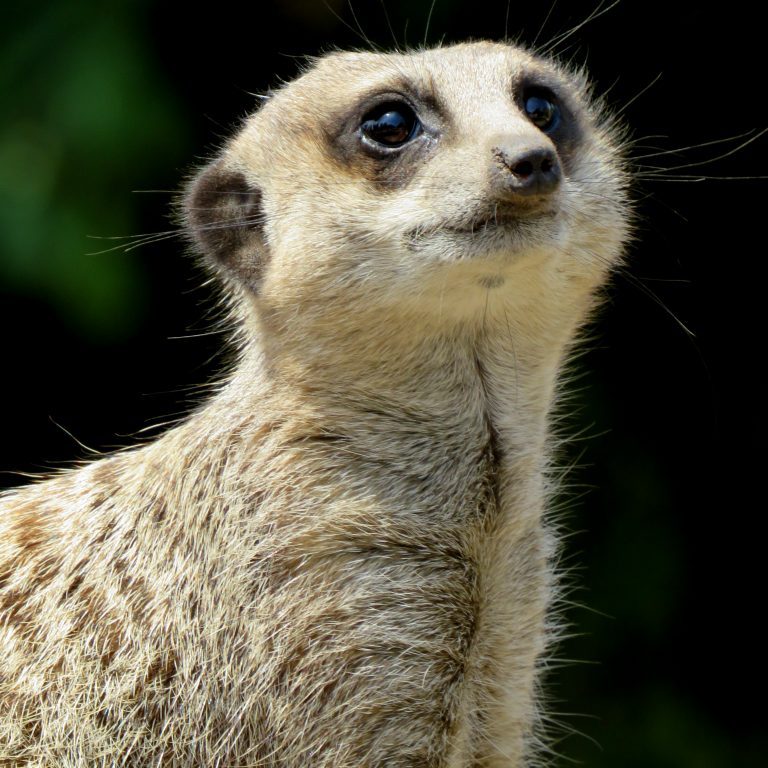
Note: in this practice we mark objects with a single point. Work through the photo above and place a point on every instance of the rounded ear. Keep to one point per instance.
(225, 219)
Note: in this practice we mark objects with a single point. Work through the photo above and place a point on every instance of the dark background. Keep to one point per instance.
(101, 99)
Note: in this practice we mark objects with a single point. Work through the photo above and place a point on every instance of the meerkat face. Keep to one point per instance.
(392, 177)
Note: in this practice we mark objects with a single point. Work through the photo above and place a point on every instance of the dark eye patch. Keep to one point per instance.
(387, 136)
(549, 106)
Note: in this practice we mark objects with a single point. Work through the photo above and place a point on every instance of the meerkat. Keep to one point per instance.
(342, 558)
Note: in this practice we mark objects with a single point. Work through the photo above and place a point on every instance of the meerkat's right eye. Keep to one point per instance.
(391, 124)
(541, 108)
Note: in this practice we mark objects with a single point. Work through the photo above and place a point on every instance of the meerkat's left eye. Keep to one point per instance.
(541, 109)
(391, 125)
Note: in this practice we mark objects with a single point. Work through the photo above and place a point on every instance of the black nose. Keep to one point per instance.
(529, 172)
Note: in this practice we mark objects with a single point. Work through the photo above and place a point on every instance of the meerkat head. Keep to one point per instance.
(382, 179)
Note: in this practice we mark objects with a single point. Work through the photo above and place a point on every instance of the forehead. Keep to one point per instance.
(457, 75)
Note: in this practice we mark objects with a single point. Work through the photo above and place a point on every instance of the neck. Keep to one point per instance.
(498, 363)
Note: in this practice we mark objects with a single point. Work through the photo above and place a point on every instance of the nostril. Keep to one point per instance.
(524, 168)
(529, 171)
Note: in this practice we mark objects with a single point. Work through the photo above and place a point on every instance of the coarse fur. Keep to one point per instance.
(341, 559)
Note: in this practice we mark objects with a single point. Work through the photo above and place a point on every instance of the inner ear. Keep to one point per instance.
(224, 214)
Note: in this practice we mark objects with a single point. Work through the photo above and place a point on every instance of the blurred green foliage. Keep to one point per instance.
(78, 87)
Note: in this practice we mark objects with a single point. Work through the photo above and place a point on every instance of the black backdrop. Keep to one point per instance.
(102, 99)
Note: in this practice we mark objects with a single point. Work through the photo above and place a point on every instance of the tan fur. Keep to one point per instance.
(341, 559)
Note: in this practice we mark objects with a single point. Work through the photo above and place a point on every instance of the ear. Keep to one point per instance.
(225, 219)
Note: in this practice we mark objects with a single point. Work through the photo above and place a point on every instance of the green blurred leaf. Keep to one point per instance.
(88, 121)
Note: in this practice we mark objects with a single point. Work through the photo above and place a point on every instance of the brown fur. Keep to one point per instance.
(341, 559)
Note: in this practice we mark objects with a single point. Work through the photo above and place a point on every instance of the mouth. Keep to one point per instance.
(498, 218)
(493, 222)
(491, 227)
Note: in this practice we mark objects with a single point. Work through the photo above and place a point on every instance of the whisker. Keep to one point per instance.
(429, 21)
(395, 44)
(599, 11)
(644, 90)
(137, 241)
(695, 178)
(752, 138)
(543, 23)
